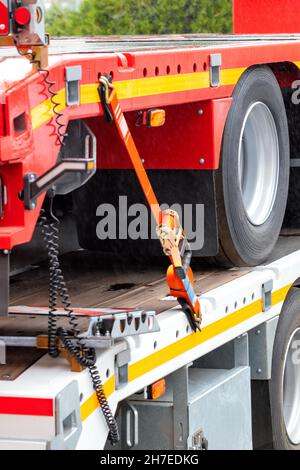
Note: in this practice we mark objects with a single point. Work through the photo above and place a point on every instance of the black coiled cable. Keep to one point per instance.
(49, 232)
(53, 94)
(71, 340)
(57, 286)
(56, 105)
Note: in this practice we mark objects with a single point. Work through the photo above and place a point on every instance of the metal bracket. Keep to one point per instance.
(34, 186)
(199, 441)
(267, 289)
(73, 78)
(132, 432)
(68, 419)
(123, 324)
(261, 344)
(32, 34)
(122, 361)
(2, 353)
(4, 282)
(180, 399)
(215, 70)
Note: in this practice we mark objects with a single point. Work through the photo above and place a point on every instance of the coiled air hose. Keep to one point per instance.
(70, 339)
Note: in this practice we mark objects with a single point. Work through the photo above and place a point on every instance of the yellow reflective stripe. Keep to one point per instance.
(280, 295)
(186, 344)
(231, 76)
(92, 403)
(161, 85)
(44, 111)
(190, 342)
(137, 88)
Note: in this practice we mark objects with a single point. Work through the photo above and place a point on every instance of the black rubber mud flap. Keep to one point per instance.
(191, 190)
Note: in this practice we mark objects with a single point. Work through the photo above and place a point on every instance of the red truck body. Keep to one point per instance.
(266, 17)
(148, 72)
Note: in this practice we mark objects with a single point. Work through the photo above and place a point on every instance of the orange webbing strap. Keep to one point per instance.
(135, 158)
(186, 294)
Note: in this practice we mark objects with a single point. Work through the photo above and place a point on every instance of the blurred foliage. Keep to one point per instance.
(110, 17)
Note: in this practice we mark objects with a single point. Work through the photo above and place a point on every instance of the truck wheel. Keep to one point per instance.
(252, 183)
(285, 382)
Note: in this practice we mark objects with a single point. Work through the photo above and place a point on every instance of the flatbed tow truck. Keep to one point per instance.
(193, 119)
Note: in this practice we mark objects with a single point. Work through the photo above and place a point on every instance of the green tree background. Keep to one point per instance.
(133, 17)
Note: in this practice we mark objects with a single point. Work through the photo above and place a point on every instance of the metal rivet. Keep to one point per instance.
(143, 161)
(258, 332)
(5, 252)
(259, 371)
(200, 112)
(202, 161)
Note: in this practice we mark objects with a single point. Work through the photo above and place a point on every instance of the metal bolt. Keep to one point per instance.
(257, 332)
(200, 112)
(32, 206)
(202, 161)
(143, 161)
(259, 371)
(98, 330)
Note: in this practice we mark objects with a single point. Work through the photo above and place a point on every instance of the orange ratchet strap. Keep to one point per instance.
(180, 277)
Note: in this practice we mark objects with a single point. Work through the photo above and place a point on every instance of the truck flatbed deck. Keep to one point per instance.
(234, 303)
(104, 282)
(104, 44)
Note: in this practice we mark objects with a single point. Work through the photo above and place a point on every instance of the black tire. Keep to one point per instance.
(241, 242)
(289, 322)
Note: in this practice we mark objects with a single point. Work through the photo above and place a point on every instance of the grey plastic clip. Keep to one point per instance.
(215, 69)
(122, 361)
(73, 78)
(267, 289)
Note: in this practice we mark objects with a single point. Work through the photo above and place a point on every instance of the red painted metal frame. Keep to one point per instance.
(266, 16)
(190, 139)
(186, 139)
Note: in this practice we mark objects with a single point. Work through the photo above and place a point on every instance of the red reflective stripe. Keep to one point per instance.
(26, 406)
